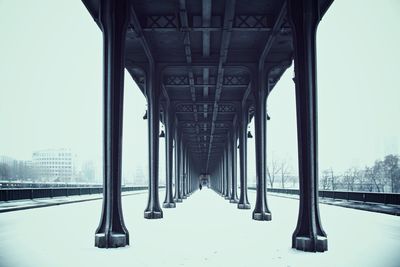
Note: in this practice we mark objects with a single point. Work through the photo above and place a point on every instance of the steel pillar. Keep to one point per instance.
(223, 182)
(178, 196)
(181, 169)
(193, 180)
(184, 172)
(169, 199)
(304, 17)
(153, 209)
(228, 171)
(220, 178)
(233, 145)
(261, 211)
(188, 177)
(187, 173)
(113, 19)
(243, 200)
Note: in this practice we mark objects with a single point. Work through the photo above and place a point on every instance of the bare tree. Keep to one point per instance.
(332, 179)
(272, 172)
(324, 180)
(285, 169)
(350, 177)
(392, 172)
(294, 180)
(374, 176)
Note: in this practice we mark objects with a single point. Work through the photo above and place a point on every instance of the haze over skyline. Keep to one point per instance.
(51, 87)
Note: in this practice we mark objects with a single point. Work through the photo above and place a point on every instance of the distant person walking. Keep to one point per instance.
(200, 187)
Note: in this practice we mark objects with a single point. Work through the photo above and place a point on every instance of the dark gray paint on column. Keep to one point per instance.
(261, 211)
(181, 169)
(304, 17)
(113, 19)
(228, 171)
(224, 174)
(169, 199)
(243, 200)
(153, 209)
(184, 172)
(233, 145)
(178, 196)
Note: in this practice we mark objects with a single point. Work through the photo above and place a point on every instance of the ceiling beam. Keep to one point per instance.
(188, 52)
(213, 29)
(276, 29)
(246, 94)
(165, 93)
(137, 28)
(206, 80)
(206, 22)
(223, 53)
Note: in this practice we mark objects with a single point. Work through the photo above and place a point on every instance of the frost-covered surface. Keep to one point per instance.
(7, 206)
(204, 230)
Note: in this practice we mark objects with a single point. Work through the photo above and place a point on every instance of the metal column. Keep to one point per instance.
(178, 196)
(304, 16)
(113, 19)
(169, 199)
(243, 200)
(233, 145)
(261, 211)
(153, 209)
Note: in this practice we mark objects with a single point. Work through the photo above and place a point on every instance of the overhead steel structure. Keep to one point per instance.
(206, 68)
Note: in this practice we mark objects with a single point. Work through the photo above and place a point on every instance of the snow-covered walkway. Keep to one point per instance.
(204, 230)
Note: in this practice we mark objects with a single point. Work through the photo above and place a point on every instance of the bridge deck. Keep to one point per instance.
(204, 230)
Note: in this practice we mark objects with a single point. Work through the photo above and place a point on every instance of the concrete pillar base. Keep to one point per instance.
(305, 243)
(113, 240)
(244, 206)
(233, 200)
(169, 205)
(262, 216)
(151, 214)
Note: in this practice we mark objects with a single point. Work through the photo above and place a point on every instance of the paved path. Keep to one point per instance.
(204, 230)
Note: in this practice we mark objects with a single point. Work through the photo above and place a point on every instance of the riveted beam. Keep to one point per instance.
(188, 52)
(225, 40)
(206, 80)
(135, 25)
(276, 29)
(206, 22)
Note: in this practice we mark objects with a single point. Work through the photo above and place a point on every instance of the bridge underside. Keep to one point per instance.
(206, 68)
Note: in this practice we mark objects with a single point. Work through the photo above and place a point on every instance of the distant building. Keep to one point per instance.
(7, 160)
(54, 164)
(6, 165)
(87, 173)
(139, 178)
(12, 169)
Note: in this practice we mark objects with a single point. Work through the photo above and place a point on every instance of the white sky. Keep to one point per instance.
(51, 87)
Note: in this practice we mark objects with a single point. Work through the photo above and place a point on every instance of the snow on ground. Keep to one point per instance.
(204, 230)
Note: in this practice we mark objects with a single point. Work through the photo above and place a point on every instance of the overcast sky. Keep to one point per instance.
(51, 85)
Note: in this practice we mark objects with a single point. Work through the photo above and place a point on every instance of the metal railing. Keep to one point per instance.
(373, 197)
(25, 184)
(10, 194)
